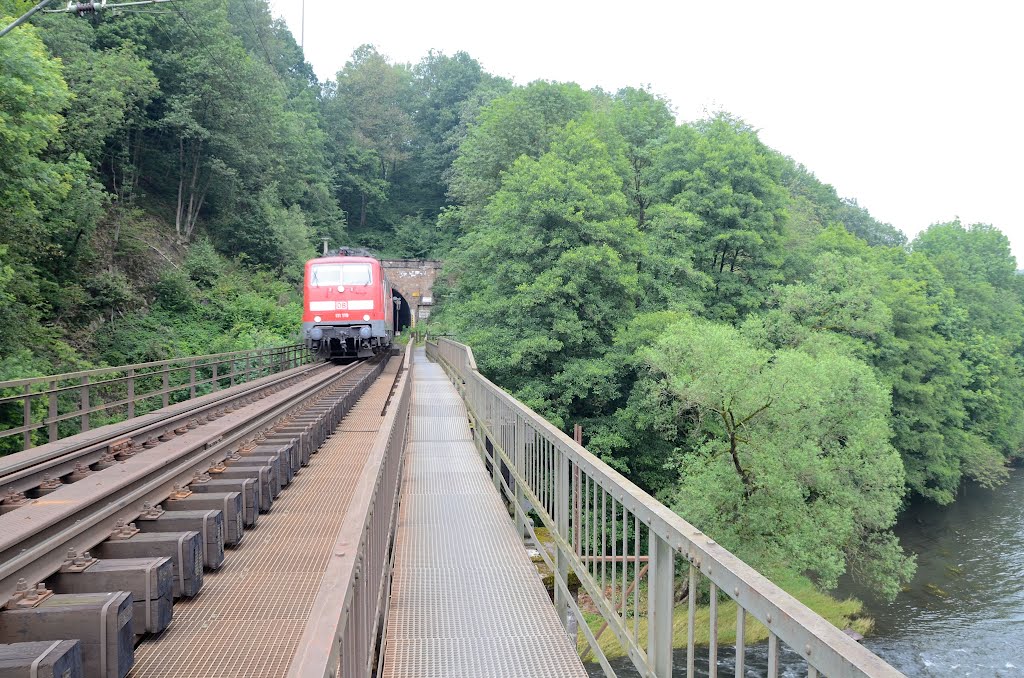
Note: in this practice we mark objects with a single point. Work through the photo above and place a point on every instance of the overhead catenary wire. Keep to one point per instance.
(81, 7)
(24, 17)
(77, 8)
(259, 37)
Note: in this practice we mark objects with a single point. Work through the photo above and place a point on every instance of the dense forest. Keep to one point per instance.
(761, 354)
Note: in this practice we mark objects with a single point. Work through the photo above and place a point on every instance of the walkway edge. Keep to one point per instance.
(356, 583)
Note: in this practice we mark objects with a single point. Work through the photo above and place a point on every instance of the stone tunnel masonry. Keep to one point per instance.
(414, 280)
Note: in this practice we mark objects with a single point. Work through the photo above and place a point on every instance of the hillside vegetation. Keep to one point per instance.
(761, 354)
(164, 174)
(777, 366)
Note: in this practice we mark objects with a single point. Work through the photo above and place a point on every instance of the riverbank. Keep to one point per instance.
(841, 613)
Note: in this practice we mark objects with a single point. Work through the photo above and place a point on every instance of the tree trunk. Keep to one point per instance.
(181, 189)
(189, 166)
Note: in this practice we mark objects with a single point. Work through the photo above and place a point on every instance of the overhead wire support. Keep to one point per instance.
(88, 7)
(78, 8)
(24, 17)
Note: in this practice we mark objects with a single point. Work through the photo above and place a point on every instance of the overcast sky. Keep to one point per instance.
(913, 108)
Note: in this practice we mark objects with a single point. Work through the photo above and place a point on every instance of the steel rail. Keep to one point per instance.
(23, 471)
(34, 538)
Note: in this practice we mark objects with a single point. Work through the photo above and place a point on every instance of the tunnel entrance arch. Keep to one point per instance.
(413, 280)
(403, 312)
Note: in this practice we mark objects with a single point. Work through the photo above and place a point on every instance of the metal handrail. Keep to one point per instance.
(603, 526)
(116, 391)
(349, 613)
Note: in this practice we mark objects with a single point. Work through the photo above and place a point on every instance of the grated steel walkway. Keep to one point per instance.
(247, 620)
(465, 598)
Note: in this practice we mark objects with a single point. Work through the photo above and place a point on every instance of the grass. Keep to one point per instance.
(841, 613)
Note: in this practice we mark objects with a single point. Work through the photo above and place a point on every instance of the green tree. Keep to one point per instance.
(370, 117)
(896, 312)
(547, 275)
(32, 96)
(720, 172)
(443, 83)
(988, 326)
(790, 464)
(523, 122)
(644, 120)
(828, 208)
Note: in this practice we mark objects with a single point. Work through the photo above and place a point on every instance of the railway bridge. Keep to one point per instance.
(258, 514)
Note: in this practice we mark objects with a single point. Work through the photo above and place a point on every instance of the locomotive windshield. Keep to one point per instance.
(328, 275)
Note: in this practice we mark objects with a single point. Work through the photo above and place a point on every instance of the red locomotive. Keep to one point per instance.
(348, 309)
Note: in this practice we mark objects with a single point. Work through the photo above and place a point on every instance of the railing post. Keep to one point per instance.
(166, 395)
(84, 405)
(192, 379)
(51, 429)
(659, 602)
(496, 461)
(233, 370)
(28, 417)
(562, 521)
(131, 392)
(213, 377)
(519, 457)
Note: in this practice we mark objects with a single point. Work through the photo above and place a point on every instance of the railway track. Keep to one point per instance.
(48, 466)
(157, 498)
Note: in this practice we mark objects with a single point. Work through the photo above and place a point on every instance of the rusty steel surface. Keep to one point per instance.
(466, 600)
(109, 390)
(342, 631)
(25, 470)
(249, 617)
(34, 538)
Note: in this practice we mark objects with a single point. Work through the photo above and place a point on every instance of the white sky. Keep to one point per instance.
(916, 109)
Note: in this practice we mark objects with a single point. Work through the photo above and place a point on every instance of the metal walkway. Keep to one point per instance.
(465, 598)
(249, 617)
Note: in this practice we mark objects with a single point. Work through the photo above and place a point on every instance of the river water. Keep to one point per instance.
(962, 615)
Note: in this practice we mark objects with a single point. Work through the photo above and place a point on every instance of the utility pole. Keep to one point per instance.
(302, 28)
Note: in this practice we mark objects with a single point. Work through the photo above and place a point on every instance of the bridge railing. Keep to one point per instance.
(350, 609)
(66, 404)
(627, 550)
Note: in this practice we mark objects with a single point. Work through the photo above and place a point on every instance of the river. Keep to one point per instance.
(962, 615)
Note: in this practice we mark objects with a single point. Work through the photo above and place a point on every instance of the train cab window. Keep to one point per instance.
(328, 275)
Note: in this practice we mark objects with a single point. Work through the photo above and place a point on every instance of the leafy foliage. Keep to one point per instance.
(790, 460)
(764, 356)
(759, 352)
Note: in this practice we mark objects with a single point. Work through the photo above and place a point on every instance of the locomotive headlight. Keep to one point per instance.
(316, 318)
(340, 288)
(366, 317)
